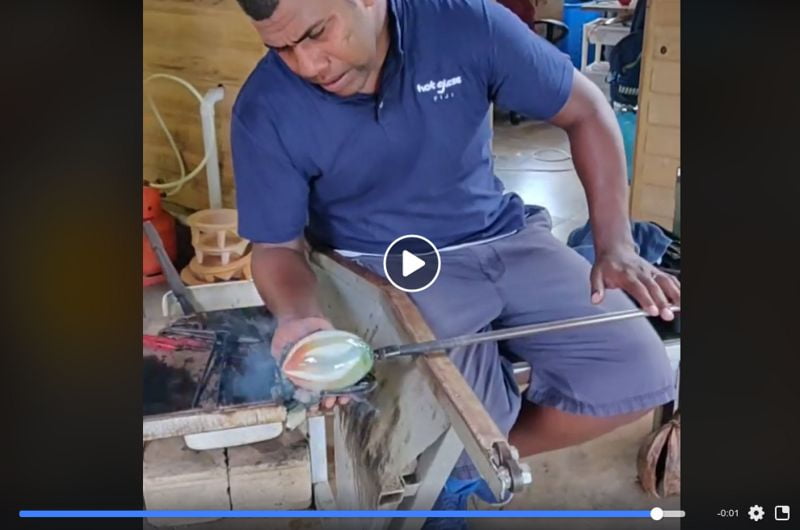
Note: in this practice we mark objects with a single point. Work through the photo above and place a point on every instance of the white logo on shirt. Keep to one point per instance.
(440, 87)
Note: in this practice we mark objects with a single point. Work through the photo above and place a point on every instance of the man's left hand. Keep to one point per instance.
(623, 268)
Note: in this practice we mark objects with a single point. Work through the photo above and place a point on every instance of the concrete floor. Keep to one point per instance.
(532, 160)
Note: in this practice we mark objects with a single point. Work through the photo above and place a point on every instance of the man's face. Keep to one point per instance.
(332, 43)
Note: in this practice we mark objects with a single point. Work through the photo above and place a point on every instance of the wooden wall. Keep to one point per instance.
(658, 135)
(205, 42)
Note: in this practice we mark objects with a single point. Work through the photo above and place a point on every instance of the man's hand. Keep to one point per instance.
(653, 289)
(289, 331)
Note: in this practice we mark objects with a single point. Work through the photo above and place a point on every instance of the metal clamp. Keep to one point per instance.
(514, 475)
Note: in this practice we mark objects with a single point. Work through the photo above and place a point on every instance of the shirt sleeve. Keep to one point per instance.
(271, 193)
(528, 75)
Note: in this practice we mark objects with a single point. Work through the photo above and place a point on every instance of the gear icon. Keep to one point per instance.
(756, 513)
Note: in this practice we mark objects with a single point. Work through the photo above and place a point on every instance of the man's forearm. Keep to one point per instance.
(285, 282)
(599, 157)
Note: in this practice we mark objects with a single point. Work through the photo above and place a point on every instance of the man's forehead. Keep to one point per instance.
(290, 20)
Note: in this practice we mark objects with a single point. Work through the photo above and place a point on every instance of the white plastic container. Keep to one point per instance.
(598, 73)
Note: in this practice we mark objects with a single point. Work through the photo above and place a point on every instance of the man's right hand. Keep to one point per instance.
(291, 330)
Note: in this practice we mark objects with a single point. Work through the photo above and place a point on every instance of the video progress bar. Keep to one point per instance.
(655, 513)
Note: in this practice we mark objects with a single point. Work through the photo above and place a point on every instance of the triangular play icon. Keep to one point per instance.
(411, 263)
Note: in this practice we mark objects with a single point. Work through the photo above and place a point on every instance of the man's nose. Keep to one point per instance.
(310, 61)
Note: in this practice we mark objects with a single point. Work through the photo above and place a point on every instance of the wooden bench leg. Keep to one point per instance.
(433, 468)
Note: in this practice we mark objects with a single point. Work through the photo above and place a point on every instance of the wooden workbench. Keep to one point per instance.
(395, 450)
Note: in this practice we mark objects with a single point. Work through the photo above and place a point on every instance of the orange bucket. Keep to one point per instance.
(164, 224)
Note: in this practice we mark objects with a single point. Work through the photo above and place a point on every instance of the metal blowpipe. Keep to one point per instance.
(508, 333)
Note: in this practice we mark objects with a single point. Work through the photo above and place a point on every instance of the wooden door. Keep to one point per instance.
(657, 156)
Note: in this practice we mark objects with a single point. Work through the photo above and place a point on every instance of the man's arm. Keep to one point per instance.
(526, 74)
(285, 280)
(287, 285)
(599, 157)
(272, 200)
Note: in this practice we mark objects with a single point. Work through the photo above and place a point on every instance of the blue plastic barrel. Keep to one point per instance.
(575, 18)
(627, 124)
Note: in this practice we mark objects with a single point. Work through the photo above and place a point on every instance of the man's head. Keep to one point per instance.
(337, 44)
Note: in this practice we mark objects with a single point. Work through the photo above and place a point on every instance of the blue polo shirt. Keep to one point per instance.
(355, 173)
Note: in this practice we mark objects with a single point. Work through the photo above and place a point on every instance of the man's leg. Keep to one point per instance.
(464, 300)
(585, 381)
(541, 429)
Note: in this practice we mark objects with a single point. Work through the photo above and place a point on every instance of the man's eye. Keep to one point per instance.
(317, 34)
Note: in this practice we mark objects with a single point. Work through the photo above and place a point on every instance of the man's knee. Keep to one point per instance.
(645, 373)
(623, 369)
(644, 350)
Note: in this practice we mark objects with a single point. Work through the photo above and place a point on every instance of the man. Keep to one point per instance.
(368, 120)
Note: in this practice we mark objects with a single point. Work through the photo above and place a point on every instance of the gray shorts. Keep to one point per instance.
(531, 277)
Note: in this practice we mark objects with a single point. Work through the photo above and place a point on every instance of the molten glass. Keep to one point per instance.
(328, 360)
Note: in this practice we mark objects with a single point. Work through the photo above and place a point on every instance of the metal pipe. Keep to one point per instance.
(508, 333)
(210, 144)
(173, 278)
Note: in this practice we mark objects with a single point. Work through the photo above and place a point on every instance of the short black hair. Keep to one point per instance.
(259, 9)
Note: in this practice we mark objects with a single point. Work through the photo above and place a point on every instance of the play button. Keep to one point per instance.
(411, 263)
